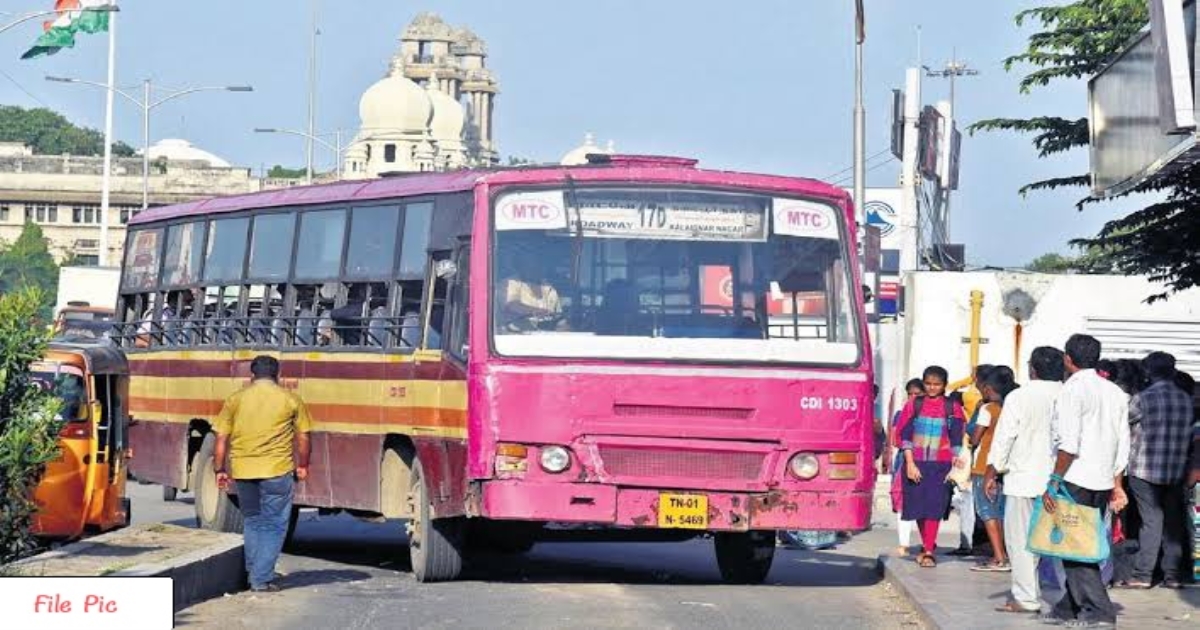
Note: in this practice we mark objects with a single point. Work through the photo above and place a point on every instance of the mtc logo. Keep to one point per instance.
(532, 212)
(800, 219)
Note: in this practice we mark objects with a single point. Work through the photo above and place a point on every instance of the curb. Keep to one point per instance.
(200, 575)
(927, 617)
(211, 571)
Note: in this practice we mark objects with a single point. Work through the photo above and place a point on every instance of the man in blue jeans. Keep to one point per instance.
(256, 431)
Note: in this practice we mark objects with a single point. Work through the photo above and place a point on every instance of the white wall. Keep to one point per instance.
(937, 316)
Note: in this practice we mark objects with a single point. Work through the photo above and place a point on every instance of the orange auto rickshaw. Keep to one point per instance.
(84, 489)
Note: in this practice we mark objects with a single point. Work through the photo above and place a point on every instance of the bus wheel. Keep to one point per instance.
(170, 493)
(434, 545)
(744, 557)
(215, 510)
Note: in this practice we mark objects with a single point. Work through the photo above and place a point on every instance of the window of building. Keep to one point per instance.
(41, 213)
(271, 246)
(389, 153)
(372, 242)
(417, 219)
(4, 213)
(126, 212)
(226, 250)
(87, 260)
(319, 251)
(85, 213)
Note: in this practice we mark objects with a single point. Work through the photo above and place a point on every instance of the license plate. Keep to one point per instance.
(682, 511)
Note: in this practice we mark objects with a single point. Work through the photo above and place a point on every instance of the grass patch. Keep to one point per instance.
(109, 570)
(157, 528)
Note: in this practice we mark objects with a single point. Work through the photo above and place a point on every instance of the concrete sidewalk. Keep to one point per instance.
(954, 597)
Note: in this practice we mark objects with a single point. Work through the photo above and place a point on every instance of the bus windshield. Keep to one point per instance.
(671, 274)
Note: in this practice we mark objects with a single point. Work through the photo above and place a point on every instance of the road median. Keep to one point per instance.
(202, 564)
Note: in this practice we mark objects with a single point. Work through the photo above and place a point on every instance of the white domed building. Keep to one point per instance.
(432, 111)
(176, 150)
(578, 155)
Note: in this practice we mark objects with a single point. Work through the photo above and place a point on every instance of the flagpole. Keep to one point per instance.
(106, 185)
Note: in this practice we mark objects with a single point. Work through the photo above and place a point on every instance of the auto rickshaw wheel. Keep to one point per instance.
(215, 509)
(170, 493)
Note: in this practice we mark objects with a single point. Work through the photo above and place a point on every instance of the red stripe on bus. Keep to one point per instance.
(349, 370)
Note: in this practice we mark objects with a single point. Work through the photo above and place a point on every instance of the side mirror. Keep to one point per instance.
(868, 295)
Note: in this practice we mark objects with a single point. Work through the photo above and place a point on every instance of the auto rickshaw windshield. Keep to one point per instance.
(68, 386)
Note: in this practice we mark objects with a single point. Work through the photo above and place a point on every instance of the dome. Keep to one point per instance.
(449, 117)
(176, 149)
(578, 155)
(395, 104)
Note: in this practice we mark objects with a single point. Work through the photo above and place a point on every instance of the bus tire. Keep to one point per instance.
(435, 546)
(215, 509)
(170, 493)
(744, 557)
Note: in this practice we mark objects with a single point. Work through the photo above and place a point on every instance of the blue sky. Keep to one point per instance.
(760, 85)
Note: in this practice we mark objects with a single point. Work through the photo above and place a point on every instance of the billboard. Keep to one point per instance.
(1136, 97)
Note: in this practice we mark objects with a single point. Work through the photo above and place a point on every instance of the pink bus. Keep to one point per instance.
(633, 348)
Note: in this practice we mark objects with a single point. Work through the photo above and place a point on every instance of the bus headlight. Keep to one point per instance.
(804, 466)
(555, 459)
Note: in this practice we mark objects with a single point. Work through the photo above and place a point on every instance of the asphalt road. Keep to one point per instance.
(347, 574)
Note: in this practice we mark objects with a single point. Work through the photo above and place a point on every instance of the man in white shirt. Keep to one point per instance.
(1022, 452)
(1090, 428)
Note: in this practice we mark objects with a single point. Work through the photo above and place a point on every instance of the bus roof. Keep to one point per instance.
(648, 169)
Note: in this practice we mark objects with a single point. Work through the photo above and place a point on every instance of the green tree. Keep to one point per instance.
(27, 263)
(1051, 263)
(49, 133)
(280, 172)
(28, 424)
(1076, 40)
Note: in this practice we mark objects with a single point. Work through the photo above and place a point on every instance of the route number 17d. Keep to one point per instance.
(654, 217)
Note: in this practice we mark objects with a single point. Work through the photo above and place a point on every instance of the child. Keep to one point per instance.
(989, 502)
(913, 389)
(931, 436)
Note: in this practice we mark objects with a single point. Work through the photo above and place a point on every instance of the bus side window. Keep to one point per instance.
(459, 304)
(409, 332)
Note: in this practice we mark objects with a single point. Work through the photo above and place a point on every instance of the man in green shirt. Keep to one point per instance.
(256, 430)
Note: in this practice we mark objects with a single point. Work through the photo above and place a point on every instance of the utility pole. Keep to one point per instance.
(953, 69)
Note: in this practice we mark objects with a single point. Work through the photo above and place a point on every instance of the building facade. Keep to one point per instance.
(434, 108)
(61, 193)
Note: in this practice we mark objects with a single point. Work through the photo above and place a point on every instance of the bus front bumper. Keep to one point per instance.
(639, 507)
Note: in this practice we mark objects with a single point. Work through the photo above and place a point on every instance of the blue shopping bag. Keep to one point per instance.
(1073, 532)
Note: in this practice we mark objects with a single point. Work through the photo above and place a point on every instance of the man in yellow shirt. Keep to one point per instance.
(256, 430)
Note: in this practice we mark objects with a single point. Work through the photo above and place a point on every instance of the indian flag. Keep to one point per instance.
(74, 16)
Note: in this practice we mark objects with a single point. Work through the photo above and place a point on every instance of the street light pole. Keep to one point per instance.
(311, 138)
(146, 104)
(312, 98)
(145, 144)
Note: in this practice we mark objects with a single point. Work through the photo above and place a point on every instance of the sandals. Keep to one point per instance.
(991, 566)
(1129, 585)
(926, 561)
(1014, 607)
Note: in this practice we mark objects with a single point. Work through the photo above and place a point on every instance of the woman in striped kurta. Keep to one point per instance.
(931, 436)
